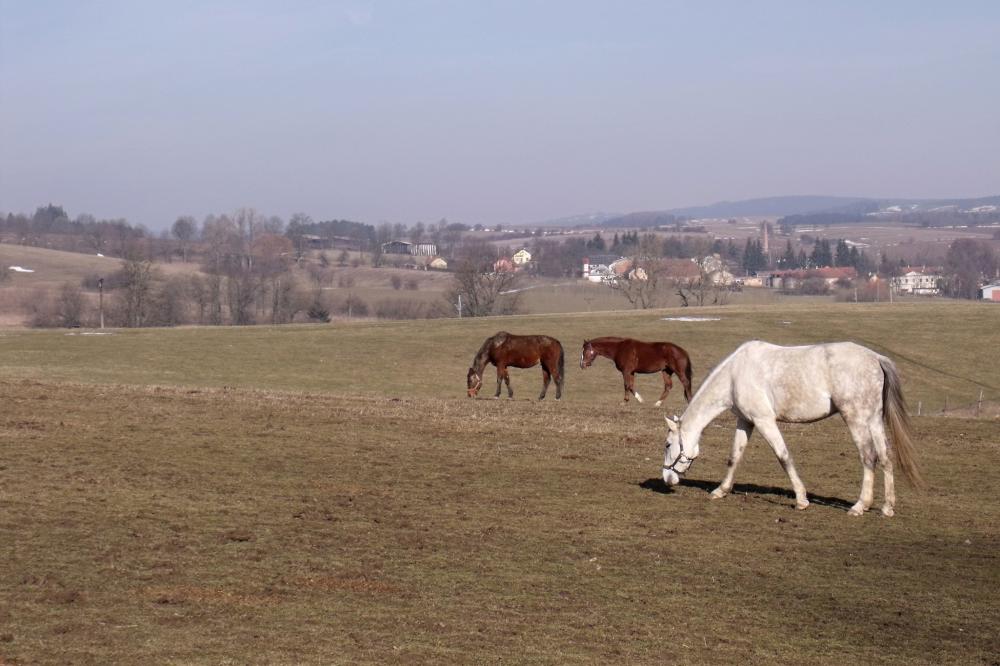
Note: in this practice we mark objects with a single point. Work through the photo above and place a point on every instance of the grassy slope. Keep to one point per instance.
(342, 501)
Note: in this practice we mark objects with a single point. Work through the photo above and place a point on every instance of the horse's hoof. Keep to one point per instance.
(657, 403)
(856, 510)
(802, 505)
(888, 512)
(718, 493)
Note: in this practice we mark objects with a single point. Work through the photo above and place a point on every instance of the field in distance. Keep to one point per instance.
(328, 493)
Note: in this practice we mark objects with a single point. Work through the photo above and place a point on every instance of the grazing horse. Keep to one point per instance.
(505, 350)
(632, 356)
(764, 384)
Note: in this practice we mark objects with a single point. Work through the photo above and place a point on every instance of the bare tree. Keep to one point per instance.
(184, 230)
(484, 291)
(137, 281)
(640, 285)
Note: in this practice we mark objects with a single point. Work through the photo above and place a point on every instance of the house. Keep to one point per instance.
(990, 292)
(521, 257)
(595, 269)
(914, 281)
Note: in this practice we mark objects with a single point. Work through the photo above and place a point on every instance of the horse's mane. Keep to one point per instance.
(718, 368)
(482, 356)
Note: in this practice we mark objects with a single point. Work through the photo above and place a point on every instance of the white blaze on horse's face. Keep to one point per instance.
(676, 461)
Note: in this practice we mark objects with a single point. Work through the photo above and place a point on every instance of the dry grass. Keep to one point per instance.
(326, 494)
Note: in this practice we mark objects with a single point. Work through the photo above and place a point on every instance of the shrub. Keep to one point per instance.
(396, 282)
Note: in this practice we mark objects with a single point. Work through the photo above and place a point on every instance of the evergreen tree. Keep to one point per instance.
(788, 259)
(843, 257)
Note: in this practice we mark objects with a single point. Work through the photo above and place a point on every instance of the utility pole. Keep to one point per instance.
(460, 306)
(100, 299)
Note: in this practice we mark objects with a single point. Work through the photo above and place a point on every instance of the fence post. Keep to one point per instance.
(919, 405)
(979, 405)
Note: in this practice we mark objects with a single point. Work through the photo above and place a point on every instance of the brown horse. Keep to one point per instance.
(632, 356)
(505, 350)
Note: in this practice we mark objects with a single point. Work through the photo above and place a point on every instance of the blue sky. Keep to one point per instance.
(489, 111)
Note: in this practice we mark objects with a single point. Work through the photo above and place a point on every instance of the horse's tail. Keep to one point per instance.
(688, 372)
(897, 421)
(562, 364)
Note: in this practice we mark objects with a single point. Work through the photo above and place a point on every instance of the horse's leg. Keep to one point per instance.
(863, 440)
(667, 385)
(769, 429)
(630, 385)
(506, 378)
(744, 429)
(501, 371)
(877, 430)
(545, 382)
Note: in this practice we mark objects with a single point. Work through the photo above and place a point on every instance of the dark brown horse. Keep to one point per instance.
(632, 356)
(505, 350)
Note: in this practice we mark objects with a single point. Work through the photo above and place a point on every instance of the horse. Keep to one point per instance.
(505, 350)
(632, 356)
(764, 384)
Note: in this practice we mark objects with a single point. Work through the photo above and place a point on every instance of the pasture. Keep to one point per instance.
(327, 494)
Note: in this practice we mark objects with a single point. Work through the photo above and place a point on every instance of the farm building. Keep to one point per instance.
(990, 292)
(437, 263)
(521, 257)
(413, 249)
(791, 279)
(914, 281)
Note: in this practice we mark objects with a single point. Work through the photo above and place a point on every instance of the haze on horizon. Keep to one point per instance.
(489, 112)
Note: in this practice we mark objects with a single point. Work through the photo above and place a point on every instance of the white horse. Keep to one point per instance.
(764, 384)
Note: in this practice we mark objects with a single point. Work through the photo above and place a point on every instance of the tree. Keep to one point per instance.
(843, 256)
(822, 254)
(484, 291)
(788, 259)
(640, 286)
(137, 282)
(967, 264)
(417, 232)
(184, 230)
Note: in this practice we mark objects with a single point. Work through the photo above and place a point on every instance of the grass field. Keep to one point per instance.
(326, 494)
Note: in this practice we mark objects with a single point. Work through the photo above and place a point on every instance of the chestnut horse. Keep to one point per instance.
(632, 356)
(505, 350)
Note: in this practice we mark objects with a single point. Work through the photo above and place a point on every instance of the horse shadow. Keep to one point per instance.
(657, 485)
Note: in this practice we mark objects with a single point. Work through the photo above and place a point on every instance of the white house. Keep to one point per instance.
(521, 257)
(917, 282)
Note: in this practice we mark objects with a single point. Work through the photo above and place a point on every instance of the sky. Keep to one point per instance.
(489, 112)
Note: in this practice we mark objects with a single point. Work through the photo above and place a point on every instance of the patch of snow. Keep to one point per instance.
(692, 319)
(92, 333)
(99, 254)
(19, 269)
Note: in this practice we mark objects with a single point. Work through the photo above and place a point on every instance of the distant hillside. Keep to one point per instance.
(769, 206)
(785, 206)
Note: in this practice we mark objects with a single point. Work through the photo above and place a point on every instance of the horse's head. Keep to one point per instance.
(678, 454)
(587, 355)
(473, 382)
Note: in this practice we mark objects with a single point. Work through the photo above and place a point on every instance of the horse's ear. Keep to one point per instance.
(671, 424)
